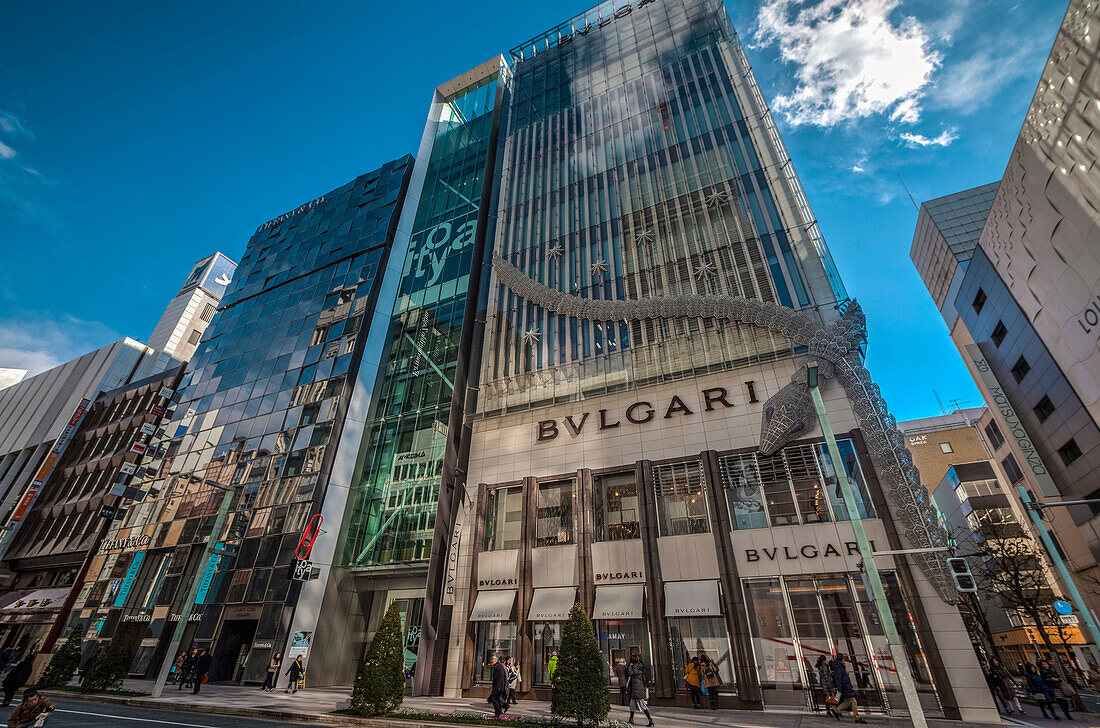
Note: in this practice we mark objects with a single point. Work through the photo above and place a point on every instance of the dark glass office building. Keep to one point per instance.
(261, 408)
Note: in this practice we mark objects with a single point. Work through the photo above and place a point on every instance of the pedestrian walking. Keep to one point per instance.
(1059, 688)
(693, 678)
(498, 696)
(636, 688)
(295, 672)
(187, 668)
(711, 680)
(32, 711)
(513, 680)
(272, 673)
(825, 683)
(16, 678)
(622, 677)
(552, 665)
(177, 667)
(1040, 691)
(200, 670)
(1005, 687)
(843, 685)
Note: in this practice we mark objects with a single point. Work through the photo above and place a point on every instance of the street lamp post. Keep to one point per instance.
(189, 603)
(897, 650)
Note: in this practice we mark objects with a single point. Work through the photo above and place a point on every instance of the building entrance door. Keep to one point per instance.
(236, 636)
(798, 620)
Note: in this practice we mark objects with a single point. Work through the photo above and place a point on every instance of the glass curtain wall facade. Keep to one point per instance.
(632, 170)
(393, 521)
(261, 409)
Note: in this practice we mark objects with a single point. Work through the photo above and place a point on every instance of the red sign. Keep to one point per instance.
(158, 410)
(313, 530)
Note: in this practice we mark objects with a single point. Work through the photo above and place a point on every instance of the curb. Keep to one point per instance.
(264, 713)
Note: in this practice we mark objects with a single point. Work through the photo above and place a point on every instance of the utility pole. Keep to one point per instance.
(897, 650)
(1035, 510)
(189, 604)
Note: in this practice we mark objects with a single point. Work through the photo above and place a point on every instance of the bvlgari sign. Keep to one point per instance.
(637, 413)
(815, 548)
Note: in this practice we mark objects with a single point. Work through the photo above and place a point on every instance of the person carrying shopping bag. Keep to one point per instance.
(844, 687)
(825, 682)
(711, 680)
(693, 678)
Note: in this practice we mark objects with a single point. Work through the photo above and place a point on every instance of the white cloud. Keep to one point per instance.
(853, 60)
(37, 341)
(948, 135)
(857, 168)
(973, 83)
(21, 186)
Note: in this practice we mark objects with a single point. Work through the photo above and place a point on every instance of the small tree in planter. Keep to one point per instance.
(64, 662)
(580, 682)
(113, 664)
(380, 684)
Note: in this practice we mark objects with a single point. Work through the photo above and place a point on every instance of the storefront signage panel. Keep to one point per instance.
(498, 569)
(131, 543)
(817, 548)
(618, 562)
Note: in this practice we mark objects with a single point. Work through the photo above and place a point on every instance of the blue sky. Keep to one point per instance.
(136, 138)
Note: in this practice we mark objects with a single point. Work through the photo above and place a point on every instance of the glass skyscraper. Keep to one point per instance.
(261, 408)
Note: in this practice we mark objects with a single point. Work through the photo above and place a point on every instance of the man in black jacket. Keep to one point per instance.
(202, 667)
(499, 695)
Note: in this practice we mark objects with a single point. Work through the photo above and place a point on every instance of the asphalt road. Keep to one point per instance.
(82, 714)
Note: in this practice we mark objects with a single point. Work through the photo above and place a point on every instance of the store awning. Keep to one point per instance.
(692, 599)
(552, 604)
(493, 606)
(39, 601)
(623, 601)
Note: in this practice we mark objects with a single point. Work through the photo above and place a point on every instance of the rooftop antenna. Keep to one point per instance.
(939, 402)
(958, 403)
(915, 205)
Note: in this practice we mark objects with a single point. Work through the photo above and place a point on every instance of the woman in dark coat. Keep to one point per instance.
(17, 678)
(1056, 684)
(1040, 691)
(636, 688)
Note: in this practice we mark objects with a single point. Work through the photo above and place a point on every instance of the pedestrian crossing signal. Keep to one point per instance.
(960, 572)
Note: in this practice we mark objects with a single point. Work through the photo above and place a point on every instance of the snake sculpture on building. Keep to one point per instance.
(836, 347)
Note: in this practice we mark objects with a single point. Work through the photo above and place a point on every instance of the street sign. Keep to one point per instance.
(1063, 607)
(1067, 619)
(303, 570)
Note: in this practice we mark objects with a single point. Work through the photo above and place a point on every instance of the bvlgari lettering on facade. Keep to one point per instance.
(482, 583)
(809, 551)
(621, 576)
(690, 610)
(638, 413)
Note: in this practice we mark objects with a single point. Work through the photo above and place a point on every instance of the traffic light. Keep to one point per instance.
(960, 572)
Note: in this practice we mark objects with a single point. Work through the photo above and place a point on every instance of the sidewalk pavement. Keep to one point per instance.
(318, 704)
